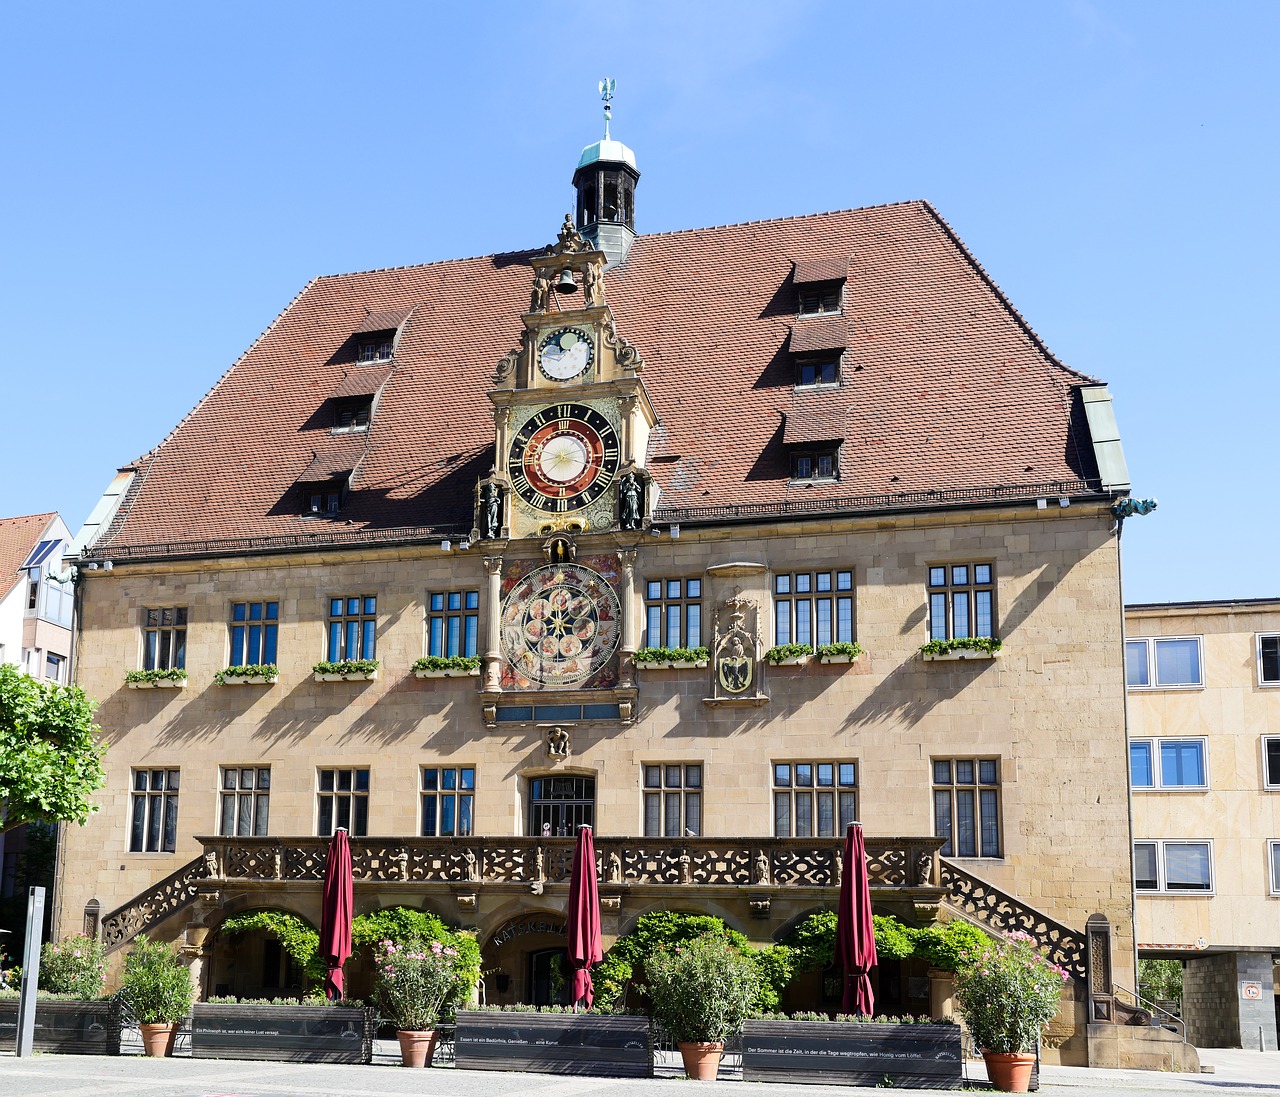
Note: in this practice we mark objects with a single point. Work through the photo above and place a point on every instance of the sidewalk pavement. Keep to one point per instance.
(1246, 1073)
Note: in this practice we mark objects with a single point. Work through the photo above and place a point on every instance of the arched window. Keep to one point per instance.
(558, 805)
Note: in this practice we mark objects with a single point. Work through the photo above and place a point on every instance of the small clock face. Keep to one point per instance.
(564, 458)
(560, 624)
(565, 354)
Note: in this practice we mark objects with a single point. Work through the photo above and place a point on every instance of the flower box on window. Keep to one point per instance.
(843, 652)
(451, 666)
(671, 658)
(265, 674)
(156, 679)
(964, 647)
(348, 670)
(789, 655)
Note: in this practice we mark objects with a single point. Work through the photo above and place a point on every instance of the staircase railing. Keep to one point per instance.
(1004, 913)
(151, 907)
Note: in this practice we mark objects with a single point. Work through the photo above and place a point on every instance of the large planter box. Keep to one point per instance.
(159, 683)
(371, 676)
(75, 1028)
(448, 672)
(674, 664)
(852, 1053)
(554, 1043)
(959, 653)
(291, 1034)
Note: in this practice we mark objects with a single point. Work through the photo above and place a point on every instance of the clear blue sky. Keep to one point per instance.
(176, 172)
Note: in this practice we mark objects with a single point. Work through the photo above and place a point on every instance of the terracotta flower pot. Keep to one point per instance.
(416, 1048)
(1009, 1072)
(157, 1038)
(701, 1061)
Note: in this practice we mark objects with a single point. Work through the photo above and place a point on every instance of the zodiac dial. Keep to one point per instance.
(560, 624)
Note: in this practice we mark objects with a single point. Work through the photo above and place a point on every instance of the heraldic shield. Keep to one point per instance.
(736, 667)
(736, 654)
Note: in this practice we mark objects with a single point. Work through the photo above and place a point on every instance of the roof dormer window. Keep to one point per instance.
(376, 349)
(819, 284)
(818, 370)
(322, 500)
(352, 414)
(821, 298)
(818, 464)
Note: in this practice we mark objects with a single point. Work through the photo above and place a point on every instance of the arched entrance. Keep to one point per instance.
(525, 958)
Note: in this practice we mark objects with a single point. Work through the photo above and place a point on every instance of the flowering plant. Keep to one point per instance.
(1009, 994)
(74, 965)
(413, 981)
(702, 990)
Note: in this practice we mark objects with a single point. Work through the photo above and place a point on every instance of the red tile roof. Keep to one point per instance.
(828, 333)
(823, 415)
(362, 381)
(18, 536)
(950, 388)
(830, 268)
(335, 456)
(383, 320)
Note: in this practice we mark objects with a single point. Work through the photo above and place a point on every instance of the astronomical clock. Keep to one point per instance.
(568, 497)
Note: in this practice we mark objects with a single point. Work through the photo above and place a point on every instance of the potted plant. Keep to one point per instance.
(702, 991)
(660, 658)
(250, 674)
(173, 678)
(1006, 998)
(411, 983)
(156, 988)
(789, 655)
(346, 670)
(842, 651)
(961, 647)
(447, 666)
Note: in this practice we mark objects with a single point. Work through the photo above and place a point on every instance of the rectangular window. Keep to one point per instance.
(961, 601)
(245, 801)
(1173, 866)
(448, 801)
(57, 602)
(820, 298)
(813, 607)
(1269, 659)
(453, 623)
(253, 633)
(816, 465)
(375, 349)
(1168, 763)
(814, 799)
(154, 811)
(353, 627)
(1271, 761)
(672, 800)
(164, 638)
(54, 667)
(673, 613)
(322, 499)
(1163, 662)
(1273, 857)
(966, 806)
(342, 800)
(351, 415)
(818, 371)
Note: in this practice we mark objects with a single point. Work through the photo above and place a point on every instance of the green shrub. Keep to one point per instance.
(248, 670)
(448, 662)
(75, 965)
(779, 652)
(672, 655)
(702, 990)
(175, 674)
(841, 647)
(413, 982)
(347, 666)
(156, 986)
(1160, 979)
(989, 644)
(949, 946)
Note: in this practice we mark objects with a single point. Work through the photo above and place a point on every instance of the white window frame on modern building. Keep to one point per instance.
(1156, 763)
(245, 791)
(802, 789)
(153, 802)
(1267, 781)
(1161, 846)
(164, 638)
(820, 613)
(1268, 640)
(453, 623)
(355, 795)
(1273, 863)
(447, 806)
(983, 811)
(673, 613)
(671, 803)
(957, 593)
(1151, 664)
(58, 663)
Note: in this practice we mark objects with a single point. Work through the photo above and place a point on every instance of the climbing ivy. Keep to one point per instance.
(941, 945)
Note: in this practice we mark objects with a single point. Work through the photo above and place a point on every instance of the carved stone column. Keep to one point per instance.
(626, 669)
(493, 623)
(502, 430)
(628, 405)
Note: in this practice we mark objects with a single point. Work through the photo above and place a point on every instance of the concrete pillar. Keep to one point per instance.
(1218, 1003)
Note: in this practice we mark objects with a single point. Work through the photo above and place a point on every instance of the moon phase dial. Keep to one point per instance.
(564, 458)
(560, 624)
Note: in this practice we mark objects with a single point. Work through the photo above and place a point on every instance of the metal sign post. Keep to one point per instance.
(30, 970)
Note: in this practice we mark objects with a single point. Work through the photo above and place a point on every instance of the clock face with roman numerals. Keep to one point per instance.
(564, 458)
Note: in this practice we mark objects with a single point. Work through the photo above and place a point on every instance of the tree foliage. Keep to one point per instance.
(944, 945)
(50, 753)
(1160, 980)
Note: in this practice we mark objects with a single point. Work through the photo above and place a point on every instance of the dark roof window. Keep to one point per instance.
(818, 464)
(322, 500)
(819, 370)
(820, 298)
(351, 414)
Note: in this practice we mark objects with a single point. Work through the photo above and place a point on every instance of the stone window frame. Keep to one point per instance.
(793, 787)
(441, 611)
(365, 614)
(1162, 888)
(1157, 763)
(1263, 681)
(1273, 849)
(1151, 645)
(1267, 782)
(945, 591)
(840, 594)
(951, 788)
(665, 596)
(156, 793)
(431, 800)
(355, 795)
(164, 637)
(678, 783)
(257, 792)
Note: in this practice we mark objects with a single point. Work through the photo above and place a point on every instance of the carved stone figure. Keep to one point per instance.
(541, 291)
(629, 502)
(473, 865)
(615, 868)
(211, 864)
(686, 867)
(539, 864)
(401, 860)
(490, 512)
(557, 743)
(593, 287)
(762, 868)
(506, 367)
(570, 239)
(277, 857)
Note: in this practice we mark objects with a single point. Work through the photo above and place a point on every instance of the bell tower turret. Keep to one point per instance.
(606, 180)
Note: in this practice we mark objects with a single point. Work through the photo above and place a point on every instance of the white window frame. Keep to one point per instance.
(1266, 783)
(1152, 684)
(1263, 683)
(1273, 844)
(1162, 887)
(1157, 769)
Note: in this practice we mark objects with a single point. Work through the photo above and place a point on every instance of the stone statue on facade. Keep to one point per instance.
(629, 502)
(541, 292)
(592, 285)
(490, 512)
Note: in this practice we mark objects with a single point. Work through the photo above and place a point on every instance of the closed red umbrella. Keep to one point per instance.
(855, 931)
(583, 922)
(336, 902)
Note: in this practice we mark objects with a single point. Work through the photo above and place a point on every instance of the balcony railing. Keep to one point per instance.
(894, 863)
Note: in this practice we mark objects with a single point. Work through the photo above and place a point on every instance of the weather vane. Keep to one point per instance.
(606, 93)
